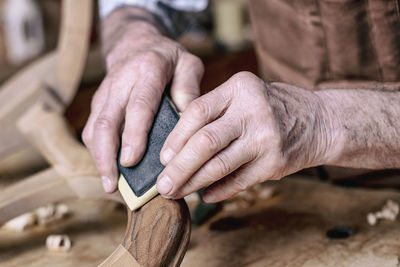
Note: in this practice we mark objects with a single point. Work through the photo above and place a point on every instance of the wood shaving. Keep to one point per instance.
(41, 216)
(58, 243)
(51, 213)
(264, 192)
(389, 212)
(249, 197)
(20, 223)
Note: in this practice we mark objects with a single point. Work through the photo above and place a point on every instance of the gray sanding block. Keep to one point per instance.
(137, 184)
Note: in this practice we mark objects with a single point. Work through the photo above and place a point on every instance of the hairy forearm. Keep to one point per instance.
(135, 21)
(302, 123)
(367, 127)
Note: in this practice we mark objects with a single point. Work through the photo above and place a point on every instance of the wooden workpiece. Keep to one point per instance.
(288, 229)
(156, 235)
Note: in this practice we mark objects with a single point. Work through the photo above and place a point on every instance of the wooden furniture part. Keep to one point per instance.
(157, 235)
(72, 173)
(51, 80)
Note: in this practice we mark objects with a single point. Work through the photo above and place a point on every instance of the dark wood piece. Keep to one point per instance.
(159, 233)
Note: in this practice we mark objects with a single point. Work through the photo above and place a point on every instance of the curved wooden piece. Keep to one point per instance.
(52, 79)
(73, 46)
(13, 102)
(157, 235)
(50, 134)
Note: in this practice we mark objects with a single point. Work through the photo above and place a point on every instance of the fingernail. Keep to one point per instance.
(164, 185)
(126, 155)
(168, 154)
(106, 183)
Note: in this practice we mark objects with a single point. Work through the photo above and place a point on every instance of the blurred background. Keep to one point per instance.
(221, 36)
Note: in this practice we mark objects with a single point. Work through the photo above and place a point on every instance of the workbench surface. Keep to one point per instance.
(287, 229)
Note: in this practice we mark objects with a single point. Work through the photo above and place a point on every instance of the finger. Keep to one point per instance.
(143, 104)
(106, 130)
(199, 149)
(221, 165)
(234, 183)
(186, 82)
(96, 106)
(200, 112)
(113, 88)
(105, 144)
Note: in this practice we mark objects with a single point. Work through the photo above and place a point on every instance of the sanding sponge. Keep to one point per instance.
(137, 184)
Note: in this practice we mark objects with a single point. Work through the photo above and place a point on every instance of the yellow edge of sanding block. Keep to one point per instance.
(129, 196)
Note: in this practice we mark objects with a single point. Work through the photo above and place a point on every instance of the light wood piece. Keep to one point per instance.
(51, 80)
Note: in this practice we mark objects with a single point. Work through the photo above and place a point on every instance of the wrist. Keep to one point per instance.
(306, 125)
(332, 128)
(128, 24)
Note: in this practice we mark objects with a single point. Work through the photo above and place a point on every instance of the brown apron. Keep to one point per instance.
(319, 44)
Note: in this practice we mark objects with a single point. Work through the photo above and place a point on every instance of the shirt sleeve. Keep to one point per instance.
(169, 12)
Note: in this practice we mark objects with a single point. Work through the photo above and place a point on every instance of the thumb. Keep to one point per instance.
(186, 81)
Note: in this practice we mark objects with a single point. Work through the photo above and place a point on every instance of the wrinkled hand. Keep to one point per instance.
(138, 68)
(243, 132)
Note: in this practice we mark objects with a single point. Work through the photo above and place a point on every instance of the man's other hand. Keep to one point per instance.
(244, 132)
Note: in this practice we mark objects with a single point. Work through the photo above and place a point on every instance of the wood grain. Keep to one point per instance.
(158, 234)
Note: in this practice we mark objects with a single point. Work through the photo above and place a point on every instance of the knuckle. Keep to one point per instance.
(195, 62)
(219, 166)
(134, 139)
(208, 140)
(179, 170)
(149, 59)
(245, 75)
(199, 109)
(188, 187)
(103, 124)
(240, 184)
(243, 79)
(142, 102)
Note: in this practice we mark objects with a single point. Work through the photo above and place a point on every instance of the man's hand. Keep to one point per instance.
(243, 132)
(140, 62)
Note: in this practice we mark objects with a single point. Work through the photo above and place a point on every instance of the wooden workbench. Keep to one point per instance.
(288, 229)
